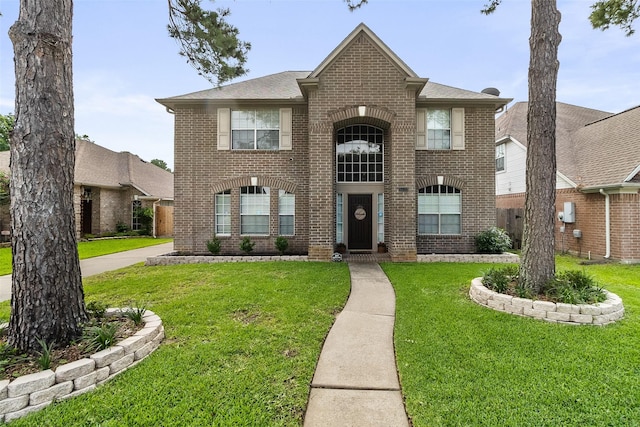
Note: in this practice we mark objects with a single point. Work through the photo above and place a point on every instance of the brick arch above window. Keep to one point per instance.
(245, 181)
(429, 180)
(362, 114)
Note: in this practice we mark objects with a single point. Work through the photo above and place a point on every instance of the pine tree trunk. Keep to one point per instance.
(47, 299)
(538, 251)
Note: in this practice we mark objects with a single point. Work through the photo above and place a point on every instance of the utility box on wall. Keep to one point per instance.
(569, 212)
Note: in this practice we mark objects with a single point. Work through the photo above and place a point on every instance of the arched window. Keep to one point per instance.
(439, 210)
(359, 154)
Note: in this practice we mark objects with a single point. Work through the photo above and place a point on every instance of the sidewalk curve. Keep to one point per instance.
(356, 381)
(100, 264)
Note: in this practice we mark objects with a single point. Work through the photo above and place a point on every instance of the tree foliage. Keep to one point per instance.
(161, 164)
(207, 40)
(620, 13)
(6, 126)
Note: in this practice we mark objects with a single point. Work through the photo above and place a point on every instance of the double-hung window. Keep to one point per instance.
(255, 129)
(439, 210)
(438, 129)
(254, 210)
(500, 157)
(223, 213)
(286, 211)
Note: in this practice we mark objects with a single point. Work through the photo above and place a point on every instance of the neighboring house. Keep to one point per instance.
(597, 180)
(108, 188)
(359, 151)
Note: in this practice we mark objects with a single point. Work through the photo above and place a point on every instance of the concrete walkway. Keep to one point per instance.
(100, 264)
(356, 381)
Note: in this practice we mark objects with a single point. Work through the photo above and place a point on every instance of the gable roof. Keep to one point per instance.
(97, 166)
(285, 87)
(379, 44)
(594, 148)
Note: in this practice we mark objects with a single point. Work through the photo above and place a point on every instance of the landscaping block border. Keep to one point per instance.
(30, 393)
(599, 314)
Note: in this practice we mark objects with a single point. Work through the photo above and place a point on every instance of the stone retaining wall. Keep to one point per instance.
(506, 257)
(581, 314)
(172, 259)
(30, 393)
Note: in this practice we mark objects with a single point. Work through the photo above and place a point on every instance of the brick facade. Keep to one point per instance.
(361, 83)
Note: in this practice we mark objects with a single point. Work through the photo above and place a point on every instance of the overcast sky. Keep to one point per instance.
(124, 59)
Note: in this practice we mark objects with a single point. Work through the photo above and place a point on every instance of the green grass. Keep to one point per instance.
(463, 364)
(92, 249)
(242, 342)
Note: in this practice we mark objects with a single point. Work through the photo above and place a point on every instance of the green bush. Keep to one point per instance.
(282, 244)
(100, 337)
(135, 314)
(96, 309)
(246, 245)
(121, 227)
(493, 241)
(497, 279)
(213, 245)
(574, 287)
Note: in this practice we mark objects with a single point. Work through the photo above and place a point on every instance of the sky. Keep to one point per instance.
(123, 58)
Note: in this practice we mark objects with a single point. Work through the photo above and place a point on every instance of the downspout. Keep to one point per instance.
(607, 223)
(155, 217)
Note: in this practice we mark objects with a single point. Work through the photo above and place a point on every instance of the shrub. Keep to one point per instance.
(246, 245)
(213, 245)
(574, 287)
(96, 309)
(282, 244)
(496, 279)
(121, 227)
(493, 241)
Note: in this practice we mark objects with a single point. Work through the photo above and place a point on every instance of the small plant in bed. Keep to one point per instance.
(569, 287)
(100, 332)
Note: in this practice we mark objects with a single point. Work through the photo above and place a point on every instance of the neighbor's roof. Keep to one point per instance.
(97, 166)
(593, 148)
(101, 167)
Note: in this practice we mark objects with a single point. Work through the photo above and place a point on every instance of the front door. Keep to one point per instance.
(360, 225)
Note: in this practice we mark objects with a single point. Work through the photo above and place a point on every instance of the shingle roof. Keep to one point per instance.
(280, 86)
(100, 167)
(593, 148)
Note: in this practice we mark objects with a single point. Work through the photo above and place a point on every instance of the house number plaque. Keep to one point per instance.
(360, 213)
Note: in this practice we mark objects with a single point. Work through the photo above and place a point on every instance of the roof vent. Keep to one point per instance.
(491, 91)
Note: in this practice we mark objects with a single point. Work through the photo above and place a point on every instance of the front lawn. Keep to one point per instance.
(242, 342)
(463, 364)
(92, 248)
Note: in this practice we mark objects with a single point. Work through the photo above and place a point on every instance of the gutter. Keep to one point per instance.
(607, 223)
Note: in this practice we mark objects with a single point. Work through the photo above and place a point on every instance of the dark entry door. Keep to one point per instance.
(360, 217)
(86, 209)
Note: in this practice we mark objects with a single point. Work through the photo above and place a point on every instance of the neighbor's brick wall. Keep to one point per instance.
(471, 170)
(201, 170)
(590, 220)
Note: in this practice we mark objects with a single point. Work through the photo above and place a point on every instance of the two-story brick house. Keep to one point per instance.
(360, 150)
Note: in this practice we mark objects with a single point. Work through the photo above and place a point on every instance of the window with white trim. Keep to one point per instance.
(380, 217)
(223, 213)
(255, 129)
(339, 235)
(439, 210)
(359, 154)
(254, 210)
(136, 208)
(500, 150)
(286, 213)
(438, 129)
